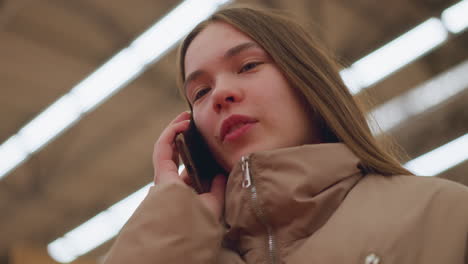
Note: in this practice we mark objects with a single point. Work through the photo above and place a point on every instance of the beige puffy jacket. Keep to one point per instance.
(307, 204)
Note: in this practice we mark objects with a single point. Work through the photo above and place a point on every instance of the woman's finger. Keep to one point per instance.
(186, 177)
(214, 200)
(181, 117)
(164, 149)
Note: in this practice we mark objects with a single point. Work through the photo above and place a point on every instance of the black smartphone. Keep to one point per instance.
(197, 158)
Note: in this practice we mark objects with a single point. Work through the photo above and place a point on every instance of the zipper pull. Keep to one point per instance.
(245, 169)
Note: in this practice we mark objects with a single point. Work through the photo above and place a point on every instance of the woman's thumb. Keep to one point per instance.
(214, 200)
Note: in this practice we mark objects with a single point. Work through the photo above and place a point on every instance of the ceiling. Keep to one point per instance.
(48, 46)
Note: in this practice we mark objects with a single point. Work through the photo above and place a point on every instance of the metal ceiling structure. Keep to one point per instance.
(48, 46)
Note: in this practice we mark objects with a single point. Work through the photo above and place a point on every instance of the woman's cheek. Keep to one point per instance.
(203, 126)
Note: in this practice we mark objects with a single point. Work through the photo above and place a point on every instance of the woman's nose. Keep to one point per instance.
(226, 95)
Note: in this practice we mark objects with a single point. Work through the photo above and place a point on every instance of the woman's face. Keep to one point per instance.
(241, 101)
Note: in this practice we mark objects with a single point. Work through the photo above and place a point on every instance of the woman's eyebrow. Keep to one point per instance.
(228, 54)
(239, 48)
(192, 77)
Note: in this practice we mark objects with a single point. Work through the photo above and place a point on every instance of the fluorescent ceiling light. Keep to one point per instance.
(11, 153)
(112, 76)
(351, 80)
(34, 135)
(405, 49)
(97, 230)
(421, 98)
(455, 18)
(48, 124)
(394, 55)
(108, 79)
(143, 51)
(440, 159)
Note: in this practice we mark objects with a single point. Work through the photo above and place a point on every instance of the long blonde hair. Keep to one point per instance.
(314, 76)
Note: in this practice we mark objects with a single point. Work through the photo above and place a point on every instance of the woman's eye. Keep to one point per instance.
(200, 93)
(249, 66)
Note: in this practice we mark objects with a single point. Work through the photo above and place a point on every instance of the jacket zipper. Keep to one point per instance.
(248, 183)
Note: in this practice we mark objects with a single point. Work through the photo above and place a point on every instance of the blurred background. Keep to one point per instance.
(86, 86)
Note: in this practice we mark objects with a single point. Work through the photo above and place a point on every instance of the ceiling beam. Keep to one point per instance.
(457, 173)
(435, 127)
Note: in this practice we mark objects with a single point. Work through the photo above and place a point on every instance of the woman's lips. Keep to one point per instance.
(235, 126)
(237, 132)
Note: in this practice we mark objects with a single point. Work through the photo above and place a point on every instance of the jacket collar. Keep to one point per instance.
(292, 194)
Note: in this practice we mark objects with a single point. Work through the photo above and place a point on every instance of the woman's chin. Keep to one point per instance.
(232, 154)
(234, 158)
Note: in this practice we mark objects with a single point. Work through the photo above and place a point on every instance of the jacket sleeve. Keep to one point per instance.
(466, 250)
(171, 225)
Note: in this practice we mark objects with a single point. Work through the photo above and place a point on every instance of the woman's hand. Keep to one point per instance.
(165, 163)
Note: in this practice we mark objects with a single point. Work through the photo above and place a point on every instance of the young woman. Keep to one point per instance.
(306, 181)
